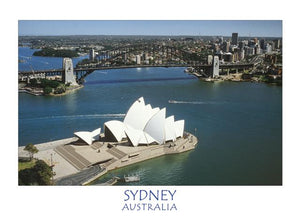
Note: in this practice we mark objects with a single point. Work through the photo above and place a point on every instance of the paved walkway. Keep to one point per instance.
(79, 178)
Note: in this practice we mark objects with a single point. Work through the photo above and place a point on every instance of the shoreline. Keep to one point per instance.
(39, 92)
(237, 77)
(99, 155)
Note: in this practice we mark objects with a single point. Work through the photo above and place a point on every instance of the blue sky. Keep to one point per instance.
(253, 28)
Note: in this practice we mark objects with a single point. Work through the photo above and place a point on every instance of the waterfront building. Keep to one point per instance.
(215, 66)
(125, 57)
(138, 59)
(68, 74)
(144, 125)
(234, 39)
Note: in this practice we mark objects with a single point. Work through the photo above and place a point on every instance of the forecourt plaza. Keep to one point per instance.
(145, 133)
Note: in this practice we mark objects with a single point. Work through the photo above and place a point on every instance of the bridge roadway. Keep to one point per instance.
(91, 69)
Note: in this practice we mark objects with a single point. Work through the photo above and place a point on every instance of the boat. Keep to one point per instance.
(129, 179)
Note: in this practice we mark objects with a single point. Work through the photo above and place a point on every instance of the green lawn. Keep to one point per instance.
(25, 165)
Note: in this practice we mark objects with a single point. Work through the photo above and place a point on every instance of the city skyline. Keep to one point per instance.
(244, 28)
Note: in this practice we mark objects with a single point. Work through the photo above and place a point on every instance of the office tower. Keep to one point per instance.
(234, 39)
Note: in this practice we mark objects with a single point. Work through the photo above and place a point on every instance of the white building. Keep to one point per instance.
(144, 125)
(138, 59)
(89, 137)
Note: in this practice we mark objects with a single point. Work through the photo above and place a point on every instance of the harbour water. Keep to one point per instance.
(239, 125)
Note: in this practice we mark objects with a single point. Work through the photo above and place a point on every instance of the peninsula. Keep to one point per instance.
(144, 133)
(50, 52)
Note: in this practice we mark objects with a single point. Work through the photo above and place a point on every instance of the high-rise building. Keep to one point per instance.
(257, 49)
(242, 54)
(220, 39)
(234, 38)
(268, 48)
(125, 57)
(262, 44)
(226, 46)
(242, 44)
(277, 43)
(138, 59)
(92, 55)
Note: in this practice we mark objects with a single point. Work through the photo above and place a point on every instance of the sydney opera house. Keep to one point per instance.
(142, 125)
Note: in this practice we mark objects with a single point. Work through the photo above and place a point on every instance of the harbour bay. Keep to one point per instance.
(238, 125)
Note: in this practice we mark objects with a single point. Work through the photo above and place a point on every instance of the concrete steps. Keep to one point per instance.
(70, 155)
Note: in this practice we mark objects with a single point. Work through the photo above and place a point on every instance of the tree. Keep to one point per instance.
(33, 82)
(47, 90)
(43, 173)
(31, 149)
(39, 174)
(60, 89)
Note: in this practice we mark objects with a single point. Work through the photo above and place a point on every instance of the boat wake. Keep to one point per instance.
(91, 116)
(194, 102)
(95, 82)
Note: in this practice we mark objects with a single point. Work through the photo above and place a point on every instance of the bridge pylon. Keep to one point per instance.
(68, 72)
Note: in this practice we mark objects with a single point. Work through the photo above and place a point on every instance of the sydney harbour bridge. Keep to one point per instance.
(116, 59)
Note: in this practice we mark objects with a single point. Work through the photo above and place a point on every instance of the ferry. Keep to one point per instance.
(129, 179)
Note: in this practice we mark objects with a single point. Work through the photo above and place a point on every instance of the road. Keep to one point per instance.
(79, 178)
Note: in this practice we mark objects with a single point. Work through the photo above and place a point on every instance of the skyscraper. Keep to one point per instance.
(92, 55)
(234, 38)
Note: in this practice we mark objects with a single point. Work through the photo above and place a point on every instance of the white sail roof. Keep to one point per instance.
(179, 128)
(88, 137)
(117, 128)
(135, 114)
(146, 139)
(145, 125)
(170, 132)
(156, 126)
(133, 135)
